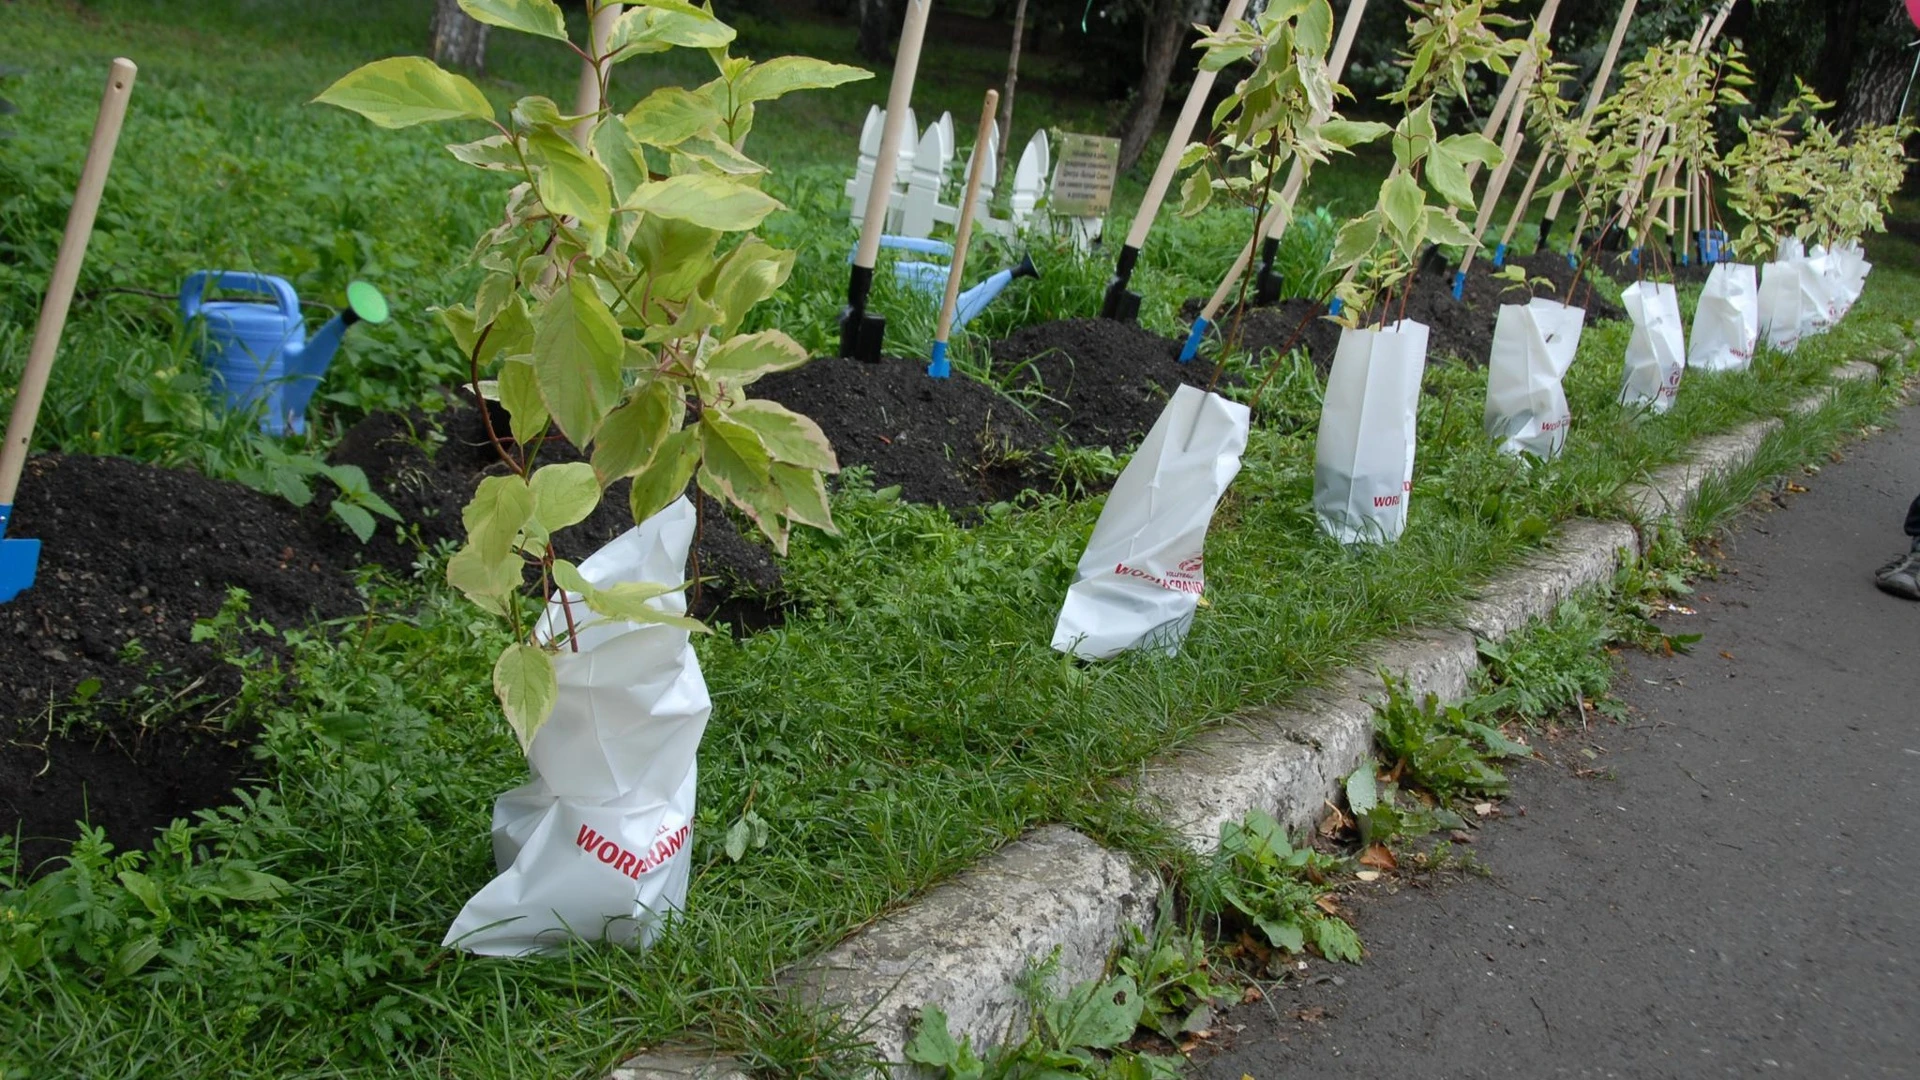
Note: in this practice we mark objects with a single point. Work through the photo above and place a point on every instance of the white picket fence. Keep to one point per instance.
(928, 184)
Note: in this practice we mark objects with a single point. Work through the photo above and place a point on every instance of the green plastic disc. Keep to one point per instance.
(366, 302)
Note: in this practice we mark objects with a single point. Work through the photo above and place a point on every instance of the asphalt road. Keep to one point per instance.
(1735, 892)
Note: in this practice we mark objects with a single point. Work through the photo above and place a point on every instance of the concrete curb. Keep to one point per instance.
(1053, 893)
(1056, 892)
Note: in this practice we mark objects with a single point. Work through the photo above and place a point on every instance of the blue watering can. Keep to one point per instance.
(931, 278)
(1712, 245)
(259, 354)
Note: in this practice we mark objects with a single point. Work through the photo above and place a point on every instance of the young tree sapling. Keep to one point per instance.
(610, 308)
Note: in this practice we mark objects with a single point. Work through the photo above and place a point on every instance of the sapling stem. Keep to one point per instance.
(486, 414)
(566, 603)
(1412, 270)
(693, 554)
(1593, 252)
(1259, 226)
(1298, 332)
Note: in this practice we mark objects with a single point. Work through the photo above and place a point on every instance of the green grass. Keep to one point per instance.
(906, 721)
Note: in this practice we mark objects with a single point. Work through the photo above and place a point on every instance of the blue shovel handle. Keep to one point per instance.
(1192, 348)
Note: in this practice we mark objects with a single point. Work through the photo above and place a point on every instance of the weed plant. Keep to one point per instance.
(1260, 880)
(1073, 1034)
(1448, 750)
(1554, 666)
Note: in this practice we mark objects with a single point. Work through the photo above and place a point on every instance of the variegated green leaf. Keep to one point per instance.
(407, 90)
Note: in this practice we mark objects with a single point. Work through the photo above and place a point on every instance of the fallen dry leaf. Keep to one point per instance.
(1252, 995)
(1378, 856)
(1484, 809)
(1725, 655)
(1327, 904)
(1796, 489)
(1367, 875)
(1332, 824)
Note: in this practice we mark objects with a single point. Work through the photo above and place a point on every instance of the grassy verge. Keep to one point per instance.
(908, 721)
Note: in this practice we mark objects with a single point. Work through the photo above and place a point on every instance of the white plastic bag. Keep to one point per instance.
(1790, 307)
(1533, 345)
(1140, 578)
(1821, 285)
(1363, 462)
(596, 846)
(1656, 353)
(1850, 268)
(1726, 323)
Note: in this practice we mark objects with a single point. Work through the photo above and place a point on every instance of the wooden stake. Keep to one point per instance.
(1526, 197)
(963, 230)
(906, 64)
(1177, 142)
(1594, 96)
(1702, 40)
(66, 271)
(586, 101)
(1509, 150)
(862, 335)
(1336, 66)
(1521, 77)
(1278, 217)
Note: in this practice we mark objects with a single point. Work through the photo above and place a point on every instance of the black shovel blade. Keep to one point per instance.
(1120, 304)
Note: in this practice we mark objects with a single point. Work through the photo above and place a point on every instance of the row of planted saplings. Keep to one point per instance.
(1791, 179)
(610, 305)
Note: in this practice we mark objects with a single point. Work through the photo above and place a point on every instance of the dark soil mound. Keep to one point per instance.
(1100, 381)
(426, 467)
(952, 442)
(1463, 328)
(1278, 326)
(131, 557)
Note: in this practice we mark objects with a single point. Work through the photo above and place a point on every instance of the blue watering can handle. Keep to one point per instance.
(918, 244)
(195, 290)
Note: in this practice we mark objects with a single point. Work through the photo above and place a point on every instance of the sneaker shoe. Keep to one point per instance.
(1901, 577)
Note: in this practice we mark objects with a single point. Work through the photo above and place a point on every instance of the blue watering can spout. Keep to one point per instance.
(304, 364)
(975, 300)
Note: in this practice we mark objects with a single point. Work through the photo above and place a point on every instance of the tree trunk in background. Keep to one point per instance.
(459, 40)
(876, 20)
(1006, 96)
(1167, 33)
(1838, 49)
(1880, 71)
